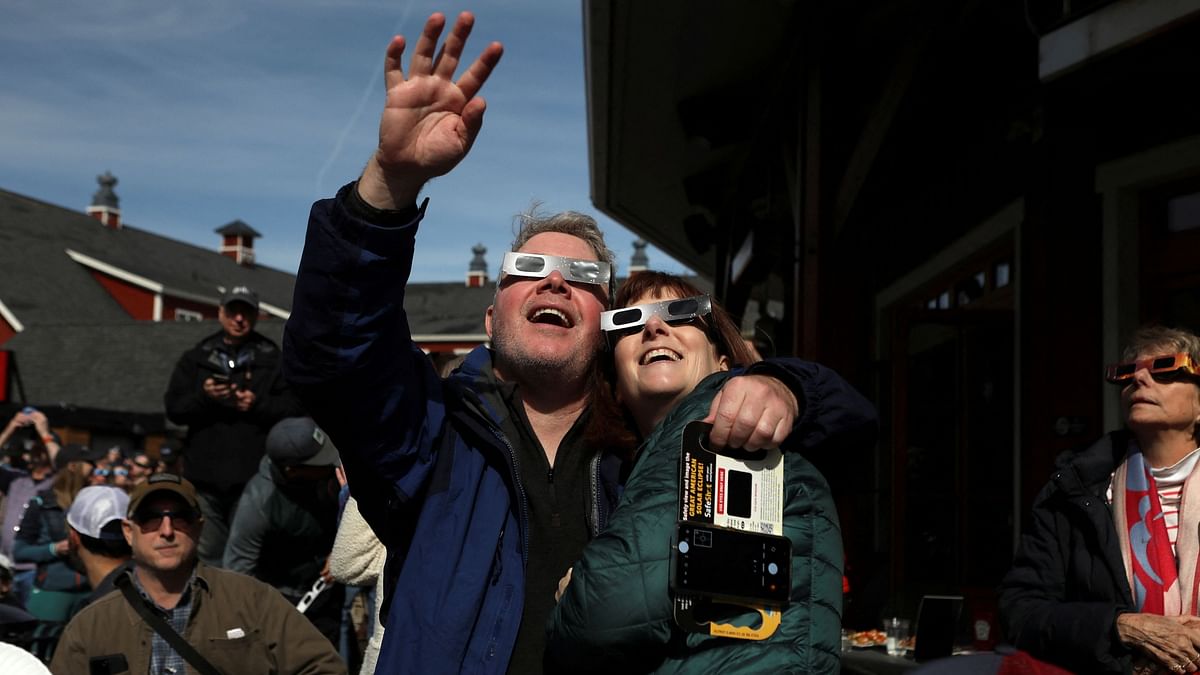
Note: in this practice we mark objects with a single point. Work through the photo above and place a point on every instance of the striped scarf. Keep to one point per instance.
(1160, 585)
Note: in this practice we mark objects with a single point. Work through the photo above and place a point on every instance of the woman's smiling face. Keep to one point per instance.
(662, 362)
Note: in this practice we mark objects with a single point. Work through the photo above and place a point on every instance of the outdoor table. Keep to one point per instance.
(873, 661)
(876, 661)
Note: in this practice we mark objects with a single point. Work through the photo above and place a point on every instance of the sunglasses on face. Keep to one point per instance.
(99, 471)
(621, 322)
(151, 521)
(574, 270)
(1164, 368)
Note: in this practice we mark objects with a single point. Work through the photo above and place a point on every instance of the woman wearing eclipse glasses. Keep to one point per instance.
(672, 349)
(1106, 579)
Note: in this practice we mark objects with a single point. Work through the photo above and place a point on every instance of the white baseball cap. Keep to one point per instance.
(96, 506)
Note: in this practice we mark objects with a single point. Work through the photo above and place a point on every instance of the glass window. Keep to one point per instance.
(1183, 213)
(1001, 274)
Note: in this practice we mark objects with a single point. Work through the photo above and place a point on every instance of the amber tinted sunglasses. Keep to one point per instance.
(1166, 367)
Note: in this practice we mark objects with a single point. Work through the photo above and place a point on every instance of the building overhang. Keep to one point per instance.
(675, 96)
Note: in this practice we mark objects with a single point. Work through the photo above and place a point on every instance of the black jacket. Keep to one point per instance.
(225, 444)
(1061, 598)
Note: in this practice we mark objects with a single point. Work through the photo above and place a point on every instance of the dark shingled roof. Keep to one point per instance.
(122, 367)
(40, 284)
(80, 349)
(447, 308)
(237, 227)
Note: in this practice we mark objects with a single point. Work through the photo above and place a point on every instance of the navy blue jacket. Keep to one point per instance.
(433, 474)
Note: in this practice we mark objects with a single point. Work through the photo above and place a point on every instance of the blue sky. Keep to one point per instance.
(212, 111)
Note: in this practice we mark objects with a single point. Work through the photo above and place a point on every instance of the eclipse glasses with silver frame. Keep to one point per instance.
(575, 270)
(621, 321)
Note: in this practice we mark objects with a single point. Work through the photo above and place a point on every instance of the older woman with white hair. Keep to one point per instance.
(1106, 579)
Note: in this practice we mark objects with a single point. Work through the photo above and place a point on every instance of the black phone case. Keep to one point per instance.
(731, 565)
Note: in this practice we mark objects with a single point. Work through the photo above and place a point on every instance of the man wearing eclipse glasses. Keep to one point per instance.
(481, 486)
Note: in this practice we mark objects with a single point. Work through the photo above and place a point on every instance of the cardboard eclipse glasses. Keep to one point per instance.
(620, 322)
(1163, 367)
(574, 270)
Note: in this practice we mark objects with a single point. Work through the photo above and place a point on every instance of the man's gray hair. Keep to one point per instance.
(532, 223)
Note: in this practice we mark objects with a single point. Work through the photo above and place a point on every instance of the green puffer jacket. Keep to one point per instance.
(616, 615)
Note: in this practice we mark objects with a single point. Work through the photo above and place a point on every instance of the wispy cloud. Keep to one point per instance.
(220, 110)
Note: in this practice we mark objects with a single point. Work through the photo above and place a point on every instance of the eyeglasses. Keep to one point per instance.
(99, 471)
(120, 471)
(620, 322)
(1165, 368)
(152, 520)
(540, 266)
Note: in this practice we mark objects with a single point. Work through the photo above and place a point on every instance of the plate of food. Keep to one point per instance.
(867, 638)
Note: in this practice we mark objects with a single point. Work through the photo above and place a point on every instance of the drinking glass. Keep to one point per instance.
(897, 631)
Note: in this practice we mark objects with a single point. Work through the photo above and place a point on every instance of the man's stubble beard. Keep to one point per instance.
(568, 365)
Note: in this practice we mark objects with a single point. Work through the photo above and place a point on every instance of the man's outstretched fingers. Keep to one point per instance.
(481, 68)
(393, 65)
(447, 59)
(422, 59)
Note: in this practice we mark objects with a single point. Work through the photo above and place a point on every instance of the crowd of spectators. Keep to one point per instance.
(252, 495)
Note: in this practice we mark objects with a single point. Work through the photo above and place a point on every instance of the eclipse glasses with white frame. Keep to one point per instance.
(618, 322)
(539, 266)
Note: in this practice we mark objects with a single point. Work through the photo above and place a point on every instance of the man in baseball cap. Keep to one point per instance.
(163, 482)
(286, 522)
(95, 538)
(228, 392)
(235, 623)
(243, 294)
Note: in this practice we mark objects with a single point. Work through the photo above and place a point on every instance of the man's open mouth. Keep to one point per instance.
(551, 316)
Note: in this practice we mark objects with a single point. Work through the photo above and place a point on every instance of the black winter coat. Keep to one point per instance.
(225, 444)
(1061, 598)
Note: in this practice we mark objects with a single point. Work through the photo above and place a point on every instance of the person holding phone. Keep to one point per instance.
(229, 392)
(673, 350)
(31, 448)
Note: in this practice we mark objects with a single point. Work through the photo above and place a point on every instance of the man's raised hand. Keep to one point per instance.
(429, 121)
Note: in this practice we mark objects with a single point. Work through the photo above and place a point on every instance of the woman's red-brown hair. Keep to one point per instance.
(722, 330)
(610, 427)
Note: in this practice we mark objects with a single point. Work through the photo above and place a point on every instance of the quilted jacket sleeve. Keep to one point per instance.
(616, 614)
